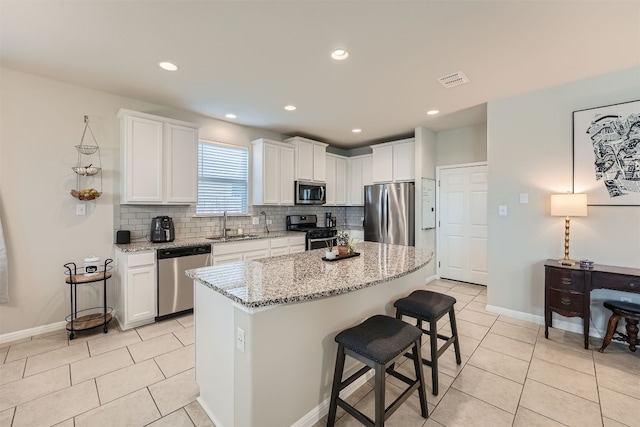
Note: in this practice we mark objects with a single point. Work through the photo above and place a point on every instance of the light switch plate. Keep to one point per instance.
(255, 220)
(524, 197)
(81, 209)
(502, 210)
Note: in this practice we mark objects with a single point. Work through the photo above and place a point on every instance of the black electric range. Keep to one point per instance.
(317, 237)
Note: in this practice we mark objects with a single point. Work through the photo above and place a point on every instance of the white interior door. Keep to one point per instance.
(462, 234)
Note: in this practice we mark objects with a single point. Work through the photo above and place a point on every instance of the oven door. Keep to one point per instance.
(321, 243)
(310, 193)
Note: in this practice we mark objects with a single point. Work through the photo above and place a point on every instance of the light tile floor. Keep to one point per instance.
(510, 375)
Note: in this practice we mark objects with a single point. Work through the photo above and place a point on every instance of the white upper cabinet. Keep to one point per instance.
(181, 163)
(158, 159)
(336, 174)
(310, 160)
(394, 161)
(382, 163)
(358, 175)
(272, 177)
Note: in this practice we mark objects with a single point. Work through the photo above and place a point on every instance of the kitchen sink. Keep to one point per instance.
(232, 238)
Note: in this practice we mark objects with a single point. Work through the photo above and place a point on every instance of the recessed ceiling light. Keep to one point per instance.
(290, 107)
(169, 66)
(433, 112)
(230, 116)
(339, 54)
(356, 130)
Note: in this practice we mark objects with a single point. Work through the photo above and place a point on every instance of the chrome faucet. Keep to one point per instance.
(266, 227)
(224, 224)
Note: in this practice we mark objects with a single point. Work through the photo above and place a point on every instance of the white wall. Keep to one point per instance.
(530, 151)
(463, 145)
(425, 150)
(41, 122)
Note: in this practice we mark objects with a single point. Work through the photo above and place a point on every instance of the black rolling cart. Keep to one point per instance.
(93, 317)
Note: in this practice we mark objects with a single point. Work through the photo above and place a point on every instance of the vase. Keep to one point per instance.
(343, 250)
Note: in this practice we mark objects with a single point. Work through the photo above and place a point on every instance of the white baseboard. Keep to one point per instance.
(431, 278)
(27, 333)
(316, 414)
(566, 324)
(209, 412)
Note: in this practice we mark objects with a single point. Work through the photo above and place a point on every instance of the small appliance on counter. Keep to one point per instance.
(162, 229)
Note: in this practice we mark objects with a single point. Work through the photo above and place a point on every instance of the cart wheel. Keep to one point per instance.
(71, 336)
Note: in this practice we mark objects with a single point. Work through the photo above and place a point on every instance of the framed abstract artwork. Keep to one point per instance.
(606, 154)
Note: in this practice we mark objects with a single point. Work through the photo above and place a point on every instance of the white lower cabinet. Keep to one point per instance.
(297, 244)
(240, 251)
(136, 288)
(256, 249)
(279, 246)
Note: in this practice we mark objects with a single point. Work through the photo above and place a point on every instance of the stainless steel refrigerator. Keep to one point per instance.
(389, 213)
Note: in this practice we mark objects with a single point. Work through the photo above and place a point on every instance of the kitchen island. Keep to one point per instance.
(264, 330)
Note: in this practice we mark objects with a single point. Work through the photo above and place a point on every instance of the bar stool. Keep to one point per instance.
(430, 306)
(631, 313)
(377, 342)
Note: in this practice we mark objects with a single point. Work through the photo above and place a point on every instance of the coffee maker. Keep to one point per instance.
(162, 229)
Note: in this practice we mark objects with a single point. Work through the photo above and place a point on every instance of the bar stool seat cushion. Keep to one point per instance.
(427, 304)
(379, 338)
(628, 307)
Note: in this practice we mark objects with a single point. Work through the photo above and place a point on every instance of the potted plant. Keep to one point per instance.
(343, 243)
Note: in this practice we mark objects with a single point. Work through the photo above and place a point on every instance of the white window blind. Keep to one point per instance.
(223, 176)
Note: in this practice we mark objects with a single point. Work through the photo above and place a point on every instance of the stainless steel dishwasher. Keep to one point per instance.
(175, 289)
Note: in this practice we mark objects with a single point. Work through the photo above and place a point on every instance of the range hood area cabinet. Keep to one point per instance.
(359, 174)
(158, 160)
(310, 159)
(394, 161)
(336, 180)
(273, 173)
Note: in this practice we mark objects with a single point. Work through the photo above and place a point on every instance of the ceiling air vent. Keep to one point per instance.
(452, 80)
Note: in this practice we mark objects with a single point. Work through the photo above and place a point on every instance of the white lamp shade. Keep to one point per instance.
(569, 204)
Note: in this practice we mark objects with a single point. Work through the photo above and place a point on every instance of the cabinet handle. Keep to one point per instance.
(566, 281)
(565, 301)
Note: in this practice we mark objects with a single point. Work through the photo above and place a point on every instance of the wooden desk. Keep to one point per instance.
(567, 289)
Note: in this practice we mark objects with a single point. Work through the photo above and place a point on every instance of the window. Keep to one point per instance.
(223, 176)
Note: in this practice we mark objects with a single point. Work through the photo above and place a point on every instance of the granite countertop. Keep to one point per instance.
(305, 276)
(180, 243)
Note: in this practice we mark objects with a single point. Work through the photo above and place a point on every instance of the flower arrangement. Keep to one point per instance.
(343, 238)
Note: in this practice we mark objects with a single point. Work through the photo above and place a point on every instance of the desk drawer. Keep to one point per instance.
(566, 302)
(566, 280)
(618, 282)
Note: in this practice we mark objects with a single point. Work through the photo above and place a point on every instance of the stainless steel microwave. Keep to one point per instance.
(310, 193)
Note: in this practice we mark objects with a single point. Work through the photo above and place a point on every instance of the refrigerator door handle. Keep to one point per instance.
(386, 214)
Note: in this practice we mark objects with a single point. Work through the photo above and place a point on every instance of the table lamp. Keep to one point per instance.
(568, 205)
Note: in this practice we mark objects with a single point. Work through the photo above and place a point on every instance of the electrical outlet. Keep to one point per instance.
(625, 299)
(81, 209)
(502, 210)
(255, 220)
(240, 340)
(269, 222)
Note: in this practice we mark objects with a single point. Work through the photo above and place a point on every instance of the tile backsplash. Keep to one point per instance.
(137, 219)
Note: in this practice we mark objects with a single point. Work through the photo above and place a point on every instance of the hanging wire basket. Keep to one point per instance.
(86, 170)
(90, 170)
(87, 149)
(87, 194)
